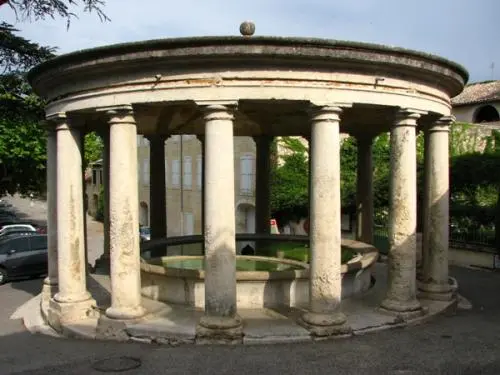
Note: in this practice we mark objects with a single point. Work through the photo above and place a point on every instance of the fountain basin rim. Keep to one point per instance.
(368, 255)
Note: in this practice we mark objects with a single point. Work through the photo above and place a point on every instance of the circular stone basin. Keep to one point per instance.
(261, 281)
(243, 263)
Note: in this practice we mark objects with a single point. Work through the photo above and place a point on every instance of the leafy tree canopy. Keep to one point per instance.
(22, 139)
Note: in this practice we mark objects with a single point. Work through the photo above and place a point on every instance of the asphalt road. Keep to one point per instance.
(466, 343)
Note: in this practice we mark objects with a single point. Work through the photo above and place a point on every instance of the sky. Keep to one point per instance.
(464, 31)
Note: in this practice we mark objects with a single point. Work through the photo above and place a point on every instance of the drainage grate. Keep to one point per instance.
(117, 364)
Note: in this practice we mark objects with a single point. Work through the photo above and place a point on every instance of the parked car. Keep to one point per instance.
(17, 228)
(17, 233)
(21, 256)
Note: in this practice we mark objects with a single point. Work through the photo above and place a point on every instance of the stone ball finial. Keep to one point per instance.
(247, 28)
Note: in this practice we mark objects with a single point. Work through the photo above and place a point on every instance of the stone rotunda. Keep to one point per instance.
(221, 87)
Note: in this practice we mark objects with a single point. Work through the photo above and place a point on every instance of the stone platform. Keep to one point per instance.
(174, 324)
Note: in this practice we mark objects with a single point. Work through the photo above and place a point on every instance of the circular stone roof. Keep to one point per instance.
(279, 51)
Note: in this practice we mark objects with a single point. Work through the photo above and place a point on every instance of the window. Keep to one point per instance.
(145, 172)
(199, 171)
(246, 174)
(187, 173)
(100, 176)
(176, 173)
(38, 242)
(19, 244)
(94, 177)
(188, 224)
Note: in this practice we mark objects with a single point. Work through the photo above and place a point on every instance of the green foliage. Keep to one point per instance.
(381, 170)
(289, 188)
(348, 171)
(93, 148)
(463, 139)
(22, 154)
(22, 140)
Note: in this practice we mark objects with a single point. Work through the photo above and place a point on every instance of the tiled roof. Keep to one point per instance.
(479, 92)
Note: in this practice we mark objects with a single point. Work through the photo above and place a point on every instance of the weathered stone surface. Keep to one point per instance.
(434, 274)
(219, 231)
(124, 217)
(325, 283)
(401, 294)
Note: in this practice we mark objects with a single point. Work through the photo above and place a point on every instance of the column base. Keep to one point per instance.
(125, 313)
(437, 292)
(405, 310)
(324, 325)
(219, 330)
(49, 289)
(60, 313)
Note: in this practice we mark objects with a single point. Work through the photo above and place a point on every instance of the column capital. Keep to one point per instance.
(263, 138)
(365, 138)
(442, 124)
(56, 121)
(407, 116)
(218, 111)
(327, 111)
(153, 138)
(119, 114)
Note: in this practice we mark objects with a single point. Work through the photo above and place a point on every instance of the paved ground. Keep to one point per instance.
(467, 343)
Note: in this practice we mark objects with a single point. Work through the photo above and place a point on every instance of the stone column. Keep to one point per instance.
(425, 209)
(220, 319)
(201, 138)
(364, 190)
(157, 192)
(103, 261)
(434, 279)
(50, 282)
(73, 301)
(401, 294)
(324, 317)
(262, 185)
(124, 217)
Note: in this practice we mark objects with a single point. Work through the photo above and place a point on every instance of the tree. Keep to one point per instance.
(22, 140)
(289, 182)
(41, 9)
